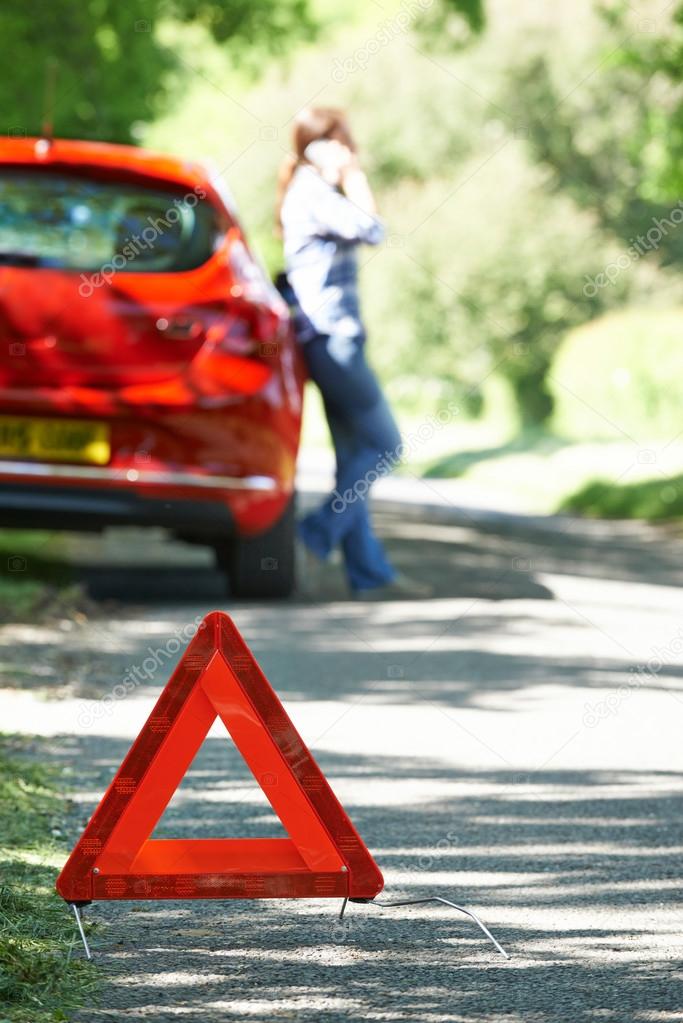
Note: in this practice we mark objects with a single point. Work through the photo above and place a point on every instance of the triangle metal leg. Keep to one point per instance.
(79, 921)
(446, 902)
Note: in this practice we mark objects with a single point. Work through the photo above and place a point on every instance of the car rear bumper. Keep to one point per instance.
(41, 496)
(145, 477)
(29, 506)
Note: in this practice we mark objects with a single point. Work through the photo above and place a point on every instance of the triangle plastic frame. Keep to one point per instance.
(115, 858)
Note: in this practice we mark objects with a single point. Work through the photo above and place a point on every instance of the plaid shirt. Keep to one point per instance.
(322, 229)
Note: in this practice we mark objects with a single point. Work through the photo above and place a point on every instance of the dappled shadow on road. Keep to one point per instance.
(577, 873)
(447, 653)
(142, 584)
(521, 547)
(457, 563)
(492, 558)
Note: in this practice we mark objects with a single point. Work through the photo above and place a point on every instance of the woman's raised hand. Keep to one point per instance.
(330, 158)
(356, 187)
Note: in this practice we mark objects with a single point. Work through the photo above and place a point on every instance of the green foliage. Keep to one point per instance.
(654, 499)
(651, 50)
(113, 70)
(489, 246)
(621, 376)
(452, 24)
(265, 23)
(615, 143)
(471, 10)
(39, 981)
(489, 281)
(429, 309)
(586, 135)
(520, 303)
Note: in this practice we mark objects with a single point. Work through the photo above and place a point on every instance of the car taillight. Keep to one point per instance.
(237, 353)
(249, 330)
(233, 336)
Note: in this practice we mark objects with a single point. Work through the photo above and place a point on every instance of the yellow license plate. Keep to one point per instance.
(56, 440)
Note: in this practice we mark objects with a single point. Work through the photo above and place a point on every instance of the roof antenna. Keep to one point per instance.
(51, 68)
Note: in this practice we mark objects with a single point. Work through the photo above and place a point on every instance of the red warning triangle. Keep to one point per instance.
(115, 858)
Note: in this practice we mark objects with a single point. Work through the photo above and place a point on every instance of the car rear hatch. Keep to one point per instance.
(69, 243)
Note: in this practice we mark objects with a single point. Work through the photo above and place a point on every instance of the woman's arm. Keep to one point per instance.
(349, 214)
(356, 187)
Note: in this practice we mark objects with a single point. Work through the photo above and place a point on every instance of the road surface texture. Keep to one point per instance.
(514, 744)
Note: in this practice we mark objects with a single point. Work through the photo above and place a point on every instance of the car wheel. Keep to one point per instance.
(262, 566)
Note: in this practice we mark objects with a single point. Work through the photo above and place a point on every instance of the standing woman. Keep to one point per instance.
(326, 209)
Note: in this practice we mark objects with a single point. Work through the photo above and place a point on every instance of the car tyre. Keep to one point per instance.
(262, 567)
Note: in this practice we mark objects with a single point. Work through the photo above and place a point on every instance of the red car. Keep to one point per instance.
(148, 370)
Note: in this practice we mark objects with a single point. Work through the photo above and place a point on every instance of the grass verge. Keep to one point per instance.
(40, 980)
(540, 473)
(653, 499)
(34, 579)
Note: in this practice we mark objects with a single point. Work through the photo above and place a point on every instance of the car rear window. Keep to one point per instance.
(74, 222)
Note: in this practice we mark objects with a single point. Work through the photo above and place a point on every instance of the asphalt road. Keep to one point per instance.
(513, 744)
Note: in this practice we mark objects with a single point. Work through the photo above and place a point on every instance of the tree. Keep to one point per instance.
(112, 68)
(614, 147)
(652, 52)
(608, 148)
(453, 24)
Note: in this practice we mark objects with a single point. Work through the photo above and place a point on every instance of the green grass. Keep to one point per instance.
(40, 980)
(653, 499)
(34, 578)
(540, 473)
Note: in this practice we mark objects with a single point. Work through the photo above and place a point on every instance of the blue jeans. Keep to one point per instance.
(366, 443)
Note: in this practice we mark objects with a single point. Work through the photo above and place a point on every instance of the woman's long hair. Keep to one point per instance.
(310, 124)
